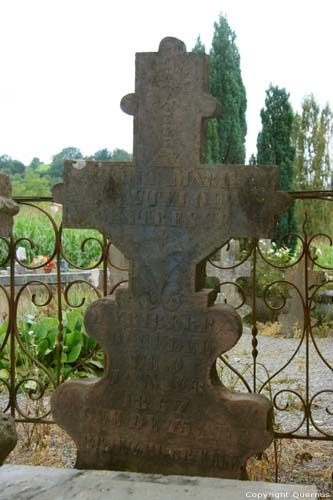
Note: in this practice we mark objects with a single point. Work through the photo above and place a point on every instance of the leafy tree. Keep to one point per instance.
(35, 162)
(253, 160)
(313, 130)
(106, 155)
(102, 155)
(30, 185)
(226, 134)
(313, 135)
(57, 165)
(120, 155)
(274, 147)
(11, 167)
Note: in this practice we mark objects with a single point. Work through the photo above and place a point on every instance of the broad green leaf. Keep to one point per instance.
(4, 373)
(73, 338)
(74, 353)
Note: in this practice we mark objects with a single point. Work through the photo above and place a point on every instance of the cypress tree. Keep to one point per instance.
(211, 129)
(275, 147)
(199, 46)
(226, 134)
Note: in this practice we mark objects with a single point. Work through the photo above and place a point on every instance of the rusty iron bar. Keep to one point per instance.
(12, 320)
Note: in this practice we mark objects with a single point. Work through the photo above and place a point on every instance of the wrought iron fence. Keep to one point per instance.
(43, 342)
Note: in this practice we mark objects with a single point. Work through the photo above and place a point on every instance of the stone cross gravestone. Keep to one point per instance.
(160, 407)
(8, 207)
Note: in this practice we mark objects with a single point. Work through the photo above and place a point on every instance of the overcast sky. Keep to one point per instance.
(65, 64)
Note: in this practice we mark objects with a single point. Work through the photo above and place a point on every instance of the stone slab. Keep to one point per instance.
(51, 278)
(46, 483)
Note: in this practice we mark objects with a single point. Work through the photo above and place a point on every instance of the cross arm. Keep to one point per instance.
(93, 192)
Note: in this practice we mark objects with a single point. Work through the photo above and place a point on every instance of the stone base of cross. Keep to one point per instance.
(160, 406)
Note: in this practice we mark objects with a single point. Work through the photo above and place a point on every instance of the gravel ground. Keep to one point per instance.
(274, 354)
(300, 461)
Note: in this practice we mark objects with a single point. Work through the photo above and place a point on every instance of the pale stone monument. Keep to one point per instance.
(228, 268)
(160, 407)
(291, 316)
(8, 207)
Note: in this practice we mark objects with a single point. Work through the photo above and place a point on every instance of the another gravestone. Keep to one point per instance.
(8, 207)
(118, 268)
(291, 317)
(228, 268)
(160, 406)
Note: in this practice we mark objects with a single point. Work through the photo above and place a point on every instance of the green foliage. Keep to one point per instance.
(274, 147)
(37, 178)
(225, 134)
(37, 227)
(199, 46)
(313, 140)
(313, 135)
(213, 146)
(227, 143)
(253, 160)
(102, 155)
(57, 165)
(9, 166)
(31, 184)
(121, 155)
(271, 264)
(39, 338)
(324, 256)
(35, 163)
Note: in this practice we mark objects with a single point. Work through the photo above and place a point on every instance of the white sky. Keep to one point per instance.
(65, 64)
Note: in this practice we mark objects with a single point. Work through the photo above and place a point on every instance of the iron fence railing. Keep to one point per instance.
(43, 342)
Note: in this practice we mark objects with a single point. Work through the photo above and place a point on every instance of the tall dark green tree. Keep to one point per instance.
(212, 154)
(199, 46)
(226, 134)
(275, 147)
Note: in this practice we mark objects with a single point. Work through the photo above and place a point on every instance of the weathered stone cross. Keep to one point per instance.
(160, 406)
